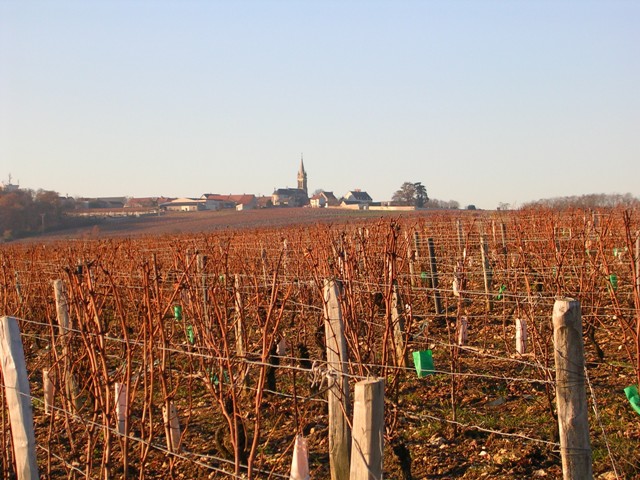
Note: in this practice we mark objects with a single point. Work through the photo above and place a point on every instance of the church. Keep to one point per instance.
(293, 197)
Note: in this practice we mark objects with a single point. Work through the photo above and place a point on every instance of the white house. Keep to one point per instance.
(324, 199)
(184, 205)
(357, 197)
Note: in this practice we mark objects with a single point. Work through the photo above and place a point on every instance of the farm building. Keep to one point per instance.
(214, 201)
(184, 205)
(356, 199)
(324, 199)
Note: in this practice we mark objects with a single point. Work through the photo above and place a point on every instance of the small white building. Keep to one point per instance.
(323, 200)
(214, 201)
(356, 199)
(184, 205)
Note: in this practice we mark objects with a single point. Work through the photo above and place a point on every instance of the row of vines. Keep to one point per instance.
(203, 356)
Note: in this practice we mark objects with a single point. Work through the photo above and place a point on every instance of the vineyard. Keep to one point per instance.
(205, 355)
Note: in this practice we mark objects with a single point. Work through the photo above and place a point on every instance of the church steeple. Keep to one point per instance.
(302, 177)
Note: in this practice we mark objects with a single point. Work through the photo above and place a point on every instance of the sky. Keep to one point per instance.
(483, 102)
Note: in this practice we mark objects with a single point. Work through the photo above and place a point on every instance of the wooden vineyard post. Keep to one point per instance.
(47, 387)
(433, 266)
(486, 271)
(239, 324)
(397, 320)
(493, 231)
(573, 422)
(18, 398)
(338, 394)
(62, 313)
(503, 231)
(637, 303)
(368, 430)
(410, 259)
(417, 245)
(521, 336)
(460, 238)
(263, 259)
(18, 288)
(120, 391)
(638, 265)
(285, 257)
(171, 426)
(201, 265)
(463, 327)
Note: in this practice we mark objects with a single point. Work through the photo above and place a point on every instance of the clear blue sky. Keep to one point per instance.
(481, 101)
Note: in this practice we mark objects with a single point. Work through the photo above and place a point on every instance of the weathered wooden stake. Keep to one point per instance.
(263, 259)
(397, 319)
(368, 430)
(18, 289)
(18, 399)
(486, 271)
(47, 387)
(503, 231)
(171, 426)
(121, 406)
(638, 264)
(201, 266)
(433, 266)
(338, 394)
(493, 231)
(463, 326)
(460, 238)
(239, 323)
(573, 421)
(521, 336)
(417, 244)
(410, 259)
(62, 314)
(285, 257)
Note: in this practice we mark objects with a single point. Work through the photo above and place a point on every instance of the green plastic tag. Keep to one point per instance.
(634, 398)
(423, 362)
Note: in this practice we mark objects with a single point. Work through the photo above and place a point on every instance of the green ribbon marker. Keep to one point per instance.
(423, 362)
(225, 376)
(177, 312)
(502, 289)
(190, 335)
(633, 396)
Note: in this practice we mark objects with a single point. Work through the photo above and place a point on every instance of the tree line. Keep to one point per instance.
(26, 212)
(592, 200)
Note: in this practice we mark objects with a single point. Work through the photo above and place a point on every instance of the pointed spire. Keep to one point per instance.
(302, 176)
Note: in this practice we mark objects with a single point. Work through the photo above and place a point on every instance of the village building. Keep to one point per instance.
(293, 197)
(214, 201)
(323, 200)
(8, 187)
(356, 199)
(264, 201)
(184, 205)
(101, 202)
(143, 202)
